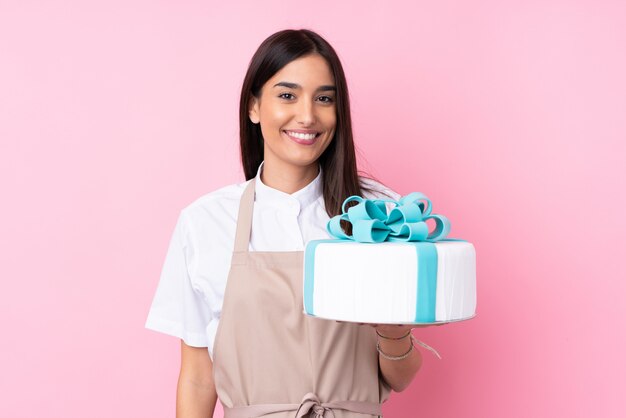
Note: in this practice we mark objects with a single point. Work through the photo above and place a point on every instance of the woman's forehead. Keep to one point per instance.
(309, 72)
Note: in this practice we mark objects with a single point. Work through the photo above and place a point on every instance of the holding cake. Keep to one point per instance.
(390, 270)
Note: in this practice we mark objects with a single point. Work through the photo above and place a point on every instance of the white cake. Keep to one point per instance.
(390, 282)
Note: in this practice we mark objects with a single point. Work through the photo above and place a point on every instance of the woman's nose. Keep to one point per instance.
(306, 113)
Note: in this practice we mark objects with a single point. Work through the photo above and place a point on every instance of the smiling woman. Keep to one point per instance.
(296, 79)
(299, 118)
(232, 282)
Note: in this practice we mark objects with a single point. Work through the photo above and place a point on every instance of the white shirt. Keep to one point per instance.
(188, 299)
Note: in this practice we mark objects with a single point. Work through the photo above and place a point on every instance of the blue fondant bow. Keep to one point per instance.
(405, 222)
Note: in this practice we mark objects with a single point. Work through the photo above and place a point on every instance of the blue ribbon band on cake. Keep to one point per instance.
(372, 223)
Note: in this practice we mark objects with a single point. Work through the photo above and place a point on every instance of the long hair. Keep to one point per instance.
(338, 161)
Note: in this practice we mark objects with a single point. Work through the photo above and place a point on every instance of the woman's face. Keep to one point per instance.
(297, 112)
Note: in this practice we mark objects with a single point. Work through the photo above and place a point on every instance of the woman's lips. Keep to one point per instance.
(302, 139)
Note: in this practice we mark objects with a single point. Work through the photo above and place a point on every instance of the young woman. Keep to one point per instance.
(232, 277)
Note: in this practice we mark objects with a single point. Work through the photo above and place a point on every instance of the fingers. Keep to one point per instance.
(364, 323)
(397, 325)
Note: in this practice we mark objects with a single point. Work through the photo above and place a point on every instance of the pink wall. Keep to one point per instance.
(510, 116)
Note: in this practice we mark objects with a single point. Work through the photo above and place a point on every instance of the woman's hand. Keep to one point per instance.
(394, 330)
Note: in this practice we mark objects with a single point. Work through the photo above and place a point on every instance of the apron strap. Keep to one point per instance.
(310, 405)
(244, 219)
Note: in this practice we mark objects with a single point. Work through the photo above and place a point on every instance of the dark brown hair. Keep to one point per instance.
(338, 161)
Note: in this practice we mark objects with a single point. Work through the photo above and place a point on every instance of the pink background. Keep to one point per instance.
(510, 116)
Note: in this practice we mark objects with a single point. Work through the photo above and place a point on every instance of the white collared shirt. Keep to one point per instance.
(188, 299)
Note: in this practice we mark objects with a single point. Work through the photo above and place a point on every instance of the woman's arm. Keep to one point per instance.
(195, 394)
(398, 373)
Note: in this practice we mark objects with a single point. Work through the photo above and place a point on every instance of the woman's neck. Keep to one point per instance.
(286, 177)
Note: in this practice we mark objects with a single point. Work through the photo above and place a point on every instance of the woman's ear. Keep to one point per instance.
(253, 110)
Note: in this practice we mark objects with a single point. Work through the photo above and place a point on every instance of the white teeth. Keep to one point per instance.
(302, 136)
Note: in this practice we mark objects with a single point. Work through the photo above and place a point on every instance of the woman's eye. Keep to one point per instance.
(289, 96)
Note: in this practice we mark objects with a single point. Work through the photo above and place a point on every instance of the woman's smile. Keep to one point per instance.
(302, 136)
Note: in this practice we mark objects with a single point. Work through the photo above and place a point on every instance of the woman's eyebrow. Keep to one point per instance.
(297, 86)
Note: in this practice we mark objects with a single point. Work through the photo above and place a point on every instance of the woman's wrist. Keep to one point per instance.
(393, 337)
(395, 349)
(394, 346)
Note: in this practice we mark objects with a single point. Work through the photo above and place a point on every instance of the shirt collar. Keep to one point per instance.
(304, 197)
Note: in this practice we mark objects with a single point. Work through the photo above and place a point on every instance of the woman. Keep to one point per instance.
(232, 278)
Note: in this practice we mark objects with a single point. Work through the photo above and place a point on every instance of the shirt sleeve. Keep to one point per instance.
(178, 308)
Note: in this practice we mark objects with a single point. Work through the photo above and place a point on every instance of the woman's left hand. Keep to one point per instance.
(395, 331)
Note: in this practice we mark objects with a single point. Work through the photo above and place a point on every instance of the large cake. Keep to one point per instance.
(391, 269)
